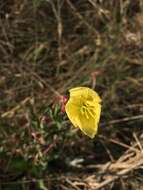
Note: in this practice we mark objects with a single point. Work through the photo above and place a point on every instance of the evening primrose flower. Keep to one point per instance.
(83, 109)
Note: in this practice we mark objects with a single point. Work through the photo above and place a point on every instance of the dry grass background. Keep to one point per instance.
(47, 47)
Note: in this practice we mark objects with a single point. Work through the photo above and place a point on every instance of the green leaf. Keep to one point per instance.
(42, 185)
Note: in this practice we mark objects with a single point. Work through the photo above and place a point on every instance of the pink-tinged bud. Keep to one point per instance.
(94, 74)
(65, 99)
(59, 98)
(62, 100)
(63, 108)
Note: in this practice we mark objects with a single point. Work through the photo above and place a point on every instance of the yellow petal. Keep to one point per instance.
(84, 92)
(88, 126)
(96, 110)
(72, 109)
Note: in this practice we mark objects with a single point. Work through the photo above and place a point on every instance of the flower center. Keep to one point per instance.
(87, 110)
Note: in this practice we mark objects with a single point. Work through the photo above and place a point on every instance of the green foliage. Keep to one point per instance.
(33, 151)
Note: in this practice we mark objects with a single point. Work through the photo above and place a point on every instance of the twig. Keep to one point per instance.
(125, 119)
(132, 167)
(11, 112)
(82, 18)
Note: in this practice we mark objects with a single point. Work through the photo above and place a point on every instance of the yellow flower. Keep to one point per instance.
(83, 109)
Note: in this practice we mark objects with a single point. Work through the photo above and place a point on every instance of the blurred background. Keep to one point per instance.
(48, 47)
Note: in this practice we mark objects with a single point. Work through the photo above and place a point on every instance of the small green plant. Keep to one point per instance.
(42, 142)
